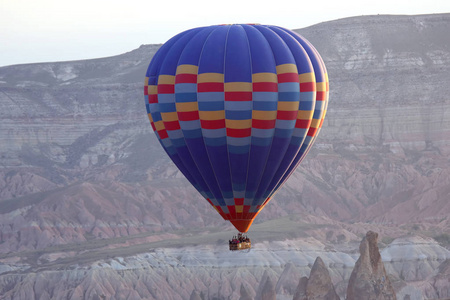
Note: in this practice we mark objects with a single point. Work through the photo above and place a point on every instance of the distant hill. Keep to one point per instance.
(75, 142)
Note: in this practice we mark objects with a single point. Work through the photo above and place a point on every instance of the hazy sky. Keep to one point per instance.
(57, 30)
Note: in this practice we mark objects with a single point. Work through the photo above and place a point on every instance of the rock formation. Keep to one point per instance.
(245, 293)
(195, 295)
(441, 281)
(318, 286)
(288, 281)
(300, 293)
(414, 258)
(268, 291)
(266, 287)
(68, 123)
(369, 280)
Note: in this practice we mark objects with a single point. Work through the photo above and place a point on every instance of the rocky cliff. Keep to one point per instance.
(420, 261)
(76, 133)
(383, 150)
(369, 280)
(318, 286)
(171, 269)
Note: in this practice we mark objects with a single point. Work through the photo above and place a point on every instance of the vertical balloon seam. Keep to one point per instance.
(252, 137)
(199, 30)
(203, 136)
(324, 74)
(204, 142)
(260, 195)
(224, 71)
(312, 140)
(186, 159)
(254, 203)
(253, 106)
(160, 55)
(161, 61)
(317, 62)
(225, 110)
(182, 157)
(271, 194)
(287, 174)
(273, 183)
(291, 169)
(239, 186)
(251, 213)
(267, 199)
(327, 82)
(215, 179)
(274, 28)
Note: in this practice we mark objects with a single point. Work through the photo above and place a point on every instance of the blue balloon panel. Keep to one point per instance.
(237, 108)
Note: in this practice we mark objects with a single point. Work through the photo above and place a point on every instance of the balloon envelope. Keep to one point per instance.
(236, 108)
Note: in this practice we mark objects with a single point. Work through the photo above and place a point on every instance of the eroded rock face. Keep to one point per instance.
(369, 280)
(288, 281)
(414, 258)
(318, 286)
(268, 291)
(73, 122)
(441, 281)
(245, 294)
(300, 293)
(195, 295)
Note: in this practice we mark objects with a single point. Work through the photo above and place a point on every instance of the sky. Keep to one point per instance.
(55, 30)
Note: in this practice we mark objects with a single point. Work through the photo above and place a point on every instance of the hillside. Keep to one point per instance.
(80, 167)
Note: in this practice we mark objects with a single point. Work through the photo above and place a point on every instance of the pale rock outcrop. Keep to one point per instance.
(385, 161)
(195, 295)
(441, 281)
(411, 292)
(414, 258)
(318, 286)
(288, 281)
(245, 293)
(266, 288)
(268, 292)
(300, 293)
(369, 280)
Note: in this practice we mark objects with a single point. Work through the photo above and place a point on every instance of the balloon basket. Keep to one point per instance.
(240, 242)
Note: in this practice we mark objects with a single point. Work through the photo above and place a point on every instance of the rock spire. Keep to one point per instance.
(369, 280)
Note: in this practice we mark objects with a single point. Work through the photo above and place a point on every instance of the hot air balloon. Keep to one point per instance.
(236, 108)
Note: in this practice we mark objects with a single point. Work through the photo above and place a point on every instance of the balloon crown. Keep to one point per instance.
(237, 109)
